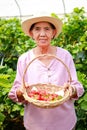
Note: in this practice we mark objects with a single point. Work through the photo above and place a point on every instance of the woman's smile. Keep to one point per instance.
(43, 40)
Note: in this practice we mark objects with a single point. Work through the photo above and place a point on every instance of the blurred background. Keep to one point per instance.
(11, 8)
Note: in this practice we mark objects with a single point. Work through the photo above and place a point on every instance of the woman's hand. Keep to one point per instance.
(19, 93)
(72, 90)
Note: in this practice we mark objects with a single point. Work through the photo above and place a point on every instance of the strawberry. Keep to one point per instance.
(43, 95)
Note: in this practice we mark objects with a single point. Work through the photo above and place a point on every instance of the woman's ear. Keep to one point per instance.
(54, 33)
(30, 33)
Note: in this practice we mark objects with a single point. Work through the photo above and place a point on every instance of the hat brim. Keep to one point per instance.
(26, 24)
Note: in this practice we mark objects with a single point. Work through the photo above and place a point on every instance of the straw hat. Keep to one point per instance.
(27, 23)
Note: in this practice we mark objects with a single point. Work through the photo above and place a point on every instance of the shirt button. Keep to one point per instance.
(49, 76)
(48, 68)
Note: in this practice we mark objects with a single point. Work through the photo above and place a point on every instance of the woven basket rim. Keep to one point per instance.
(47, 104)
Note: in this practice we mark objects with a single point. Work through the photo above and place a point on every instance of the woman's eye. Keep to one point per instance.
(47, 28)
(37, 29)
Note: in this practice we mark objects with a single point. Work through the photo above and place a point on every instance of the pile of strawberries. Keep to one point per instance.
(43, 95)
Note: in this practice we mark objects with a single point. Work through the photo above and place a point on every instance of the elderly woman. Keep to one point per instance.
(42, 29)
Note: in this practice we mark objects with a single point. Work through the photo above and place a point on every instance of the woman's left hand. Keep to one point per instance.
(71, 89)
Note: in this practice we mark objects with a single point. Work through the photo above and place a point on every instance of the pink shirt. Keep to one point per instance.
(58, 118)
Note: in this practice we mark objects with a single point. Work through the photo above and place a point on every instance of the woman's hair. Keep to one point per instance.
(32, 26)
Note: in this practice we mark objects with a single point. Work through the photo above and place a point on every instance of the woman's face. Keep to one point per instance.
(42, 33)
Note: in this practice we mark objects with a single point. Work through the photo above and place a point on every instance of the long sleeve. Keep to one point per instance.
(75, 82)
(19, 75)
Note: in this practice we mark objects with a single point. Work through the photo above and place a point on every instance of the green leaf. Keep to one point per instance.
(84, 105)
(85, 97)
(22, 111)
(2, 117)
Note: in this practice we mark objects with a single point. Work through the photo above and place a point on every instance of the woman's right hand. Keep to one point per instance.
(19, 94)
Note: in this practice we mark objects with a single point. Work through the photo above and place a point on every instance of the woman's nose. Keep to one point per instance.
(42, 33)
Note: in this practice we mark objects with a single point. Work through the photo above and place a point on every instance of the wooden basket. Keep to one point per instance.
(49, 87)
